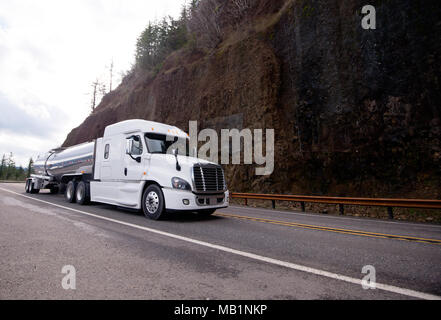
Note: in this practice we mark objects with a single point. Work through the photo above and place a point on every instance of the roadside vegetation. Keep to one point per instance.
(201, 25)
(10, 172)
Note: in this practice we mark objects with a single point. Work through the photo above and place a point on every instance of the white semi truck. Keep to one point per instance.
(134, 165)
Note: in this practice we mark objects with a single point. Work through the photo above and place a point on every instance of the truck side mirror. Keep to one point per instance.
(129, 146)
(176, 153)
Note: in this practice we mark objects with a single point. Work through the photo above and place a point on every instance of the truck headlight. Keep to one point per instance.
(181, 184)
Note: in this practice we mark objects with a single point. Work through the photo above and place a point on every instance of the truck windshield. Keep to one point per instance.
(164, 144)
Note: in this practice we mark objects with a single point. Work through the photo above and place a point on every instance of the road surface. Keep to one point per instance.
(240, 253)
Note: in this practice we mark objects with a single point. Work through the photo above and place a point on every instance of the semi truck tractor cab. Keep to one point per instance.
(137, 164)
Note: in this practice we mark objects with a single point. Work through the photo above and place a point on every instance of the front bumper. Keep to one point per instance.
(178, 199)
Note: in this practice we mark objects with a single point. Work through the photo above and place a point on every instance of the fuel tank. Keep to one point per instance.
(70, 161)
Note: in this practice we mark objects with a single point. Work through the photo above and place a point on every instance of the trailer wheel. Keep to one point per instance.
(70, 191)
(153, 204)
(28, 182)
(82, 193)
(32, 189)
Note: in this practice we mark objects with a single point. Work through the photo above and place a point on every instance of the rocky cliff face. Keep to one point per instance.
(356, 112)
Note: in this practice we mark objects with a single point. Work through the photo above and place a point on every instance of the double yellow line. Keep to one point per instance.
(329, 229)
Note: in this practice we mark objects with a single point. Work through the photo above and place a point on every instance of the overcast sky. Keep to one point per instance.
(50, 53)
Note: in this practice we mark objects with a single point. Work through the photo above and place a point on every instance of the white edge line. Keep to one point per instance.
(384, 287)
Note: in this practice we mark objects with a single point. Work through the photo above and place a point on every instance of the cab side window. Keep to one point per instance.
(106, 151)
(137, 146)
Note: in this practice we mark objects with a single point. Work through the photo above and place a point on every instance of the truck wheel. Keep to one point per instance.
(70, 191)
(32, 189)
(153, 204)
(82, 193)
(54, 190)
(207, 212)
(27, 189)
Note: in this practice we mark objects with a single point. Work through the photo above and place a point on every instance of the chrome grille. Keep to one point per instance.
(209, 178)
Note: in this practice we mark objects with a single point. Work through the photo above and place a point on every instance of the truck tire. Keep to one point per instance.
(32, 189)
(82, 194)
(153, 204)
(70, 191)
(27, 187)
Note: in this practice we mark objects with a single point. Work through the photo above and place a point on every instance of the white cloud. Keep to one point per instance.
(50, 53)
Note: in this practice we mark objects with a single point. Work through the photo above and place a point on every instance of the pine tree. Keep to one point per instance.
(3, 167)
(30, 168)
(19, 173)
(10, 174)
(159, 39)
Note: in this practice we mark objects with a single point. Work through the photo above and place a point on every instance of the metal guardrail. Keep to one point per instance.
(342, 201)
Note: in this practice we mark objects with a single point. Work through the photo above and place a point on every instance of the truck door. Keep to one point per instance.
(106, 165)
(133, 164)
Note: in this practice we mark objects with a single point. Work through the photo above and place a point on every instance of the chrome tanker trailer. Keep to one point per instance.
(137, 164)
(54, 169)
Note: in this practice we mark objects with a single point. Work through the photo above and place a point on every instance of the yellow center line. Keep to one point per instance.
(330, 229)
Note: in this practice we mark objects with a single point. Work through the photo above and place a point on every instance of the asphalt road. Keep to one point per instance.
(241, 253)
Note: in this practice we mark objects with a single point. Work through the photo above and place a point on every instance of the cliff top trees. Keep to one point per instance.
(160, 39)
(205, 23)
(201, 23)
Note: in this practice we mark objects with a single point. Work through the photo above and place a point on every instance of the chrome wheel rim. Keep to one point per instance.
(69, 192)
(79, 194)
(152, 202)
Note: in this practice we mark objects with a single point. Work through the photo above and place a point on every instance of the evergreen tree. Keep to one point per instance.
(147, 47)
(30, 168)
(3, 167)
(9, 169)
(19, 173)
(10, 174)
(161, 38)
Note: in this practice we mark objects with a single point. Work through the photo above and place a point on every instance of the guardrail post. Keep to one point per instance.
(246, 202)
(303, 206)
(342, 209)
(390, 212)
(273, 203)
